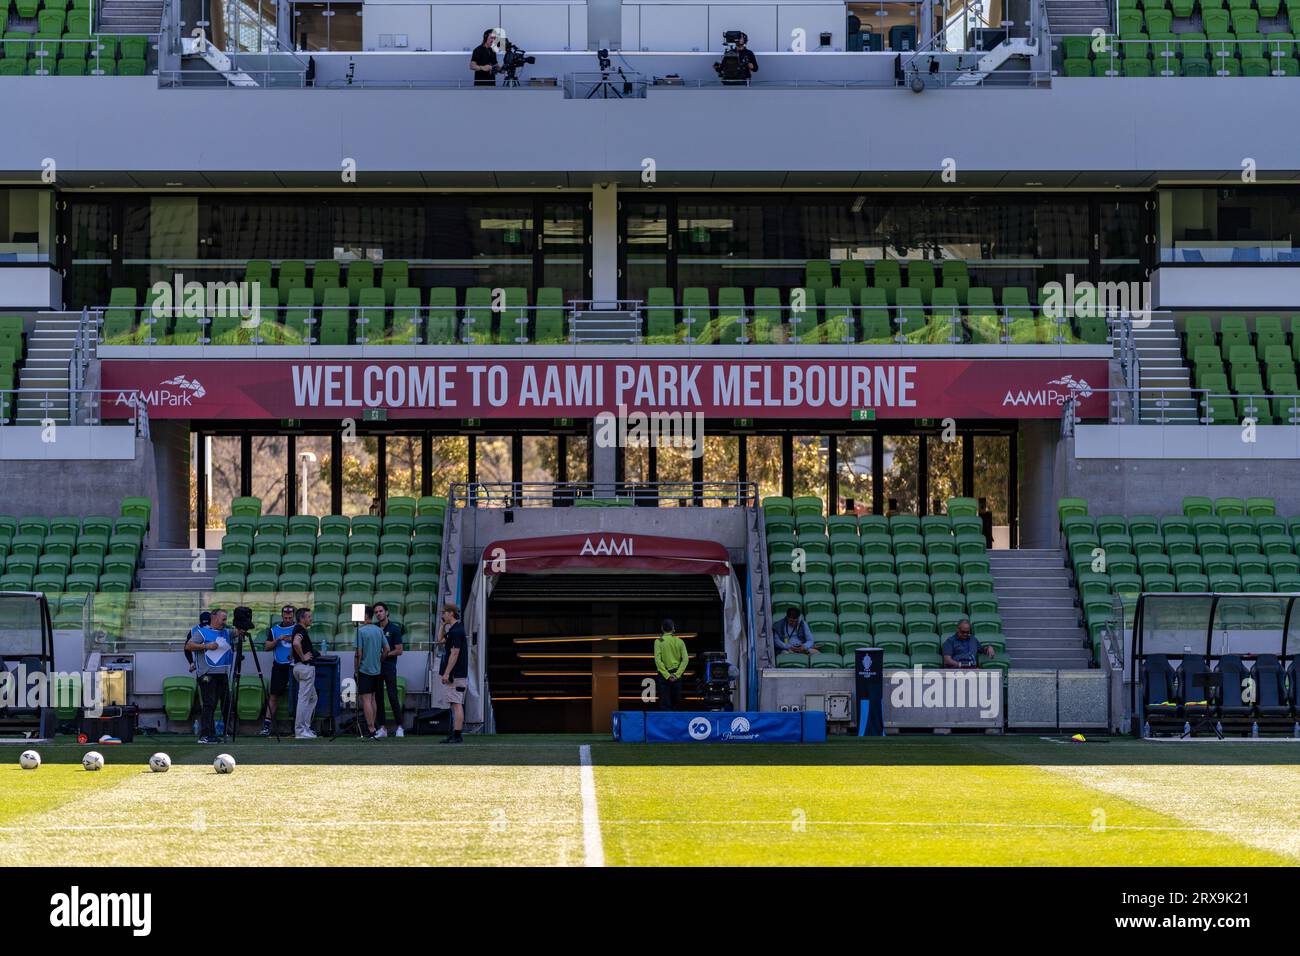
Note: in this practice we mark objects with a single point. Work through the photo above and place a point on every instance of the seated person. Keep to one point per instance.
(962, 649)
(792, 634)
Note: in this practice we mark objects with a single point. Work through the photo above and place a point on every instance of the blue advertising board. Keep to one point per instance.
(685, 727)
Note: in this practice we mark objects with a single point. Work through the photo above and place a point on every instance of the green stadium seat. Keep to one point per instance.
(179, 694)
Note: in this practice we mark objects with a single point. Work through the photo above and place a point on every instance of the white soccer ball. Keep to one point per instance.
(29, 760)
(224, 764)
(160, 763)
(93, 760)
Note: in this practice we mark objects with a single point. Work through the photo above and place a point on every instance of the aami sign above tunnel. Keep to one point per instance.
(548, 388)
(606, 551)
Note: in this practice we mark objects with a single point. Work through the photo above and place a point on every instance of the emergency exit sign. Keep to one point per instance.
(374, 415)
(864, 414)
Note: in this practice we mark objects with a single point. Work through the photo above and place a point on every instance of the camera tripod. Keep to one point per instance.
(232, 699)
(512, 79)
(605, 89)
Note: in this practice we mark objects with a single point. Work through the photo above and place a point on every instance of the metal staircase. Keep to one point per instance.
(1078, 17)
(1036, 600)
(136, 17)
(991, 61)
(1160, 365)
(45, 374)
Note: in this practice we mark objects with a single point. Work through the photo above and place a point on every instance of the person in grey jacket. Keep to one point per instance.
(792, 634)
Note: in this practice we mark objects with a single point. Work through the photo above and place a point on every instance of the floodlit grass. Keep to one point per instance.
(517, 801)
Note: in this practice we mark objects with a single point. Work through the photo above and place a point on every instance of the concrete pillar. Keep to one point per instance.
(171, 453)
(604, 24)
(1039, 441)
(603, 466)
(604, 242)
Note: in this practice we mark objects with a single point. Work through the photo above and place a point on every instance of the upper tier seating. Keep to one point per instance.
(901, 583)
(1247, 364)
(849, 303)
(55, 38)
(1189, 38)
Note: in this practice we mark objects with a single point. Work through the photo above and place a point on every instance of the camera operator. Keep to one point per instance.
(279, 638)
(212, 660)
(745, 63)
(483, 61)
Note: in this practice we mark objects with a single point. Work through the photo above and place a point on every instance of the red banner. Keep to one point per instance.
(605, 551)
(572, 388)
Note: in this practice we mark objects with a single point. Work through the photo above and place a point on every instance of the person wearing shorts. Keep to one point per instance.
(370, 646)
(279, 638)
(454, 670)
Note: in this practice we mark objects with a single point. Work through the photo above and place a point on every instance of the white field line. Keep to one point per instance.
(496, 822)
(593, 848)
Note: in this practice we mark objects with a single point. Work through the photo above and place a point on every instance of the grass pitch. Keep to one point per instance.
(515, 800)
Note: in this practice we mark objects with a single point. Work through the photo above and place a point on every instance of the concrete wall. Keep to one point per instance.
(1200, 287)
(79, 487)
(1001, 135)
(171, 443)
(1157, 486)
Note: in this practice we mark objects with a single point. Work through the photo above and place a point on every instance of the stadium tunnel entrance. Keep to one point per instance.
(567, 626)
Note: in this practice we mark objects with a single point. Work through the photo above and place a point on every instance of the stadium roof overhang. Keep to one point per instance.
(606, 551)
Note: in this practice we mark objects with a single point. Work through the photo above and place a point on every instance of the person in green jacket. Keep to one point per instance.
(670, 662)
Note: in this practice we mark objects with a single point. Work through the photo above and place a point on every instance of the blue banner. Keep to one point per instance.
(723, 727)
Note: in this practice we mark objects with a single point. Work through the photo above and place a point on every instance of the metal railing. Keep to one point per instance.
(75, 406)
(1165, 57)
(629, 321)
(549, 494)
(50, 57)
(1127, 405)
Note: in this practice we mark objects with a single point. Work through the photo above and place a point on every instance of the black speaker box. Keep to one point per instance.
(435, 721)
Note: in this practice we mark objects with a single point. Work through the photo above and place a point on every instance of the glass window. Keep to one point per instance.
(327, 26)
(564, 244)
(992, 468)
(646, 247)
(492, 455)
(476, 244)
(222, 478)
(313, 465)
(901, 467)
(944, 478)
(763, 464)
(361, 476)
(811, 466)
(576, 455)
(404, 469)
(636, 464)
(269, 480)
(1236, 224)
(450, 454)
(722, 458)
(26, 224)
(90, 234)
(853, 468)
(541, 458)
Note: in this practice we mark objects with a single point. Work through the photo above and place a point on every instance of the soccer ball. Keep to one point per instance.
(93, 760)
(160, 763)
(224, 764)
(29, 760)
